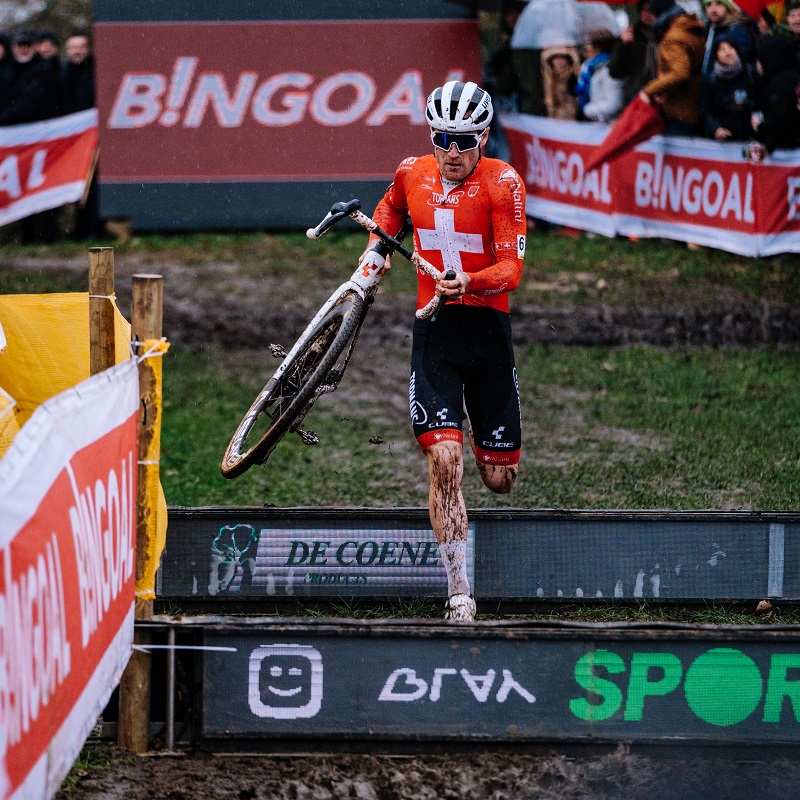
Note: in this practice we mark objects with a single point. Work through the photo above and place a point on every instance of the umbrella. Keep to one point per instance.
(594, 17)
(561, 23)
(637, 123)
(546, 23)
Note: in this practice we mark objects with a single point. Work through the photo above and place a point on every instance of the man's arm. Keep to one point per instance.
(509, 224)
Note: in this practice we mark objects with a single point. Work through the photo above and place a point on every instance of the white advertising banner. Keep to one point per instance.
(68, 489)
(691, 190)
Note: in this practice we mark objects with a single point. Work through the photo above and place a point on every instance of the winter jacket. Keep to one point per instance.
(77, 86)
(779, 80)
(606, 96)
(728, 102)
(635, 63)
(742, 35)
(681, 44)
(560, 101)
(33, 93)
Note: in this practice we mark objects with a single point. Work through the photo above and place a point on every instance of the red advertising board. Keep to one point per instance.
(271, 100)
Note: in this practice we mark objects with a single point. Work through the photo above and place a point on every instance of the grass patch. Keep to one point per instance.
(603, 429)
(91, 762)
(39, 281)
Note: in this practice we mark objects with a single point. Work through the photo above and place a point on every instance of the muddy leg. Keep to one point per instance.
(497, 477)
(448, 512)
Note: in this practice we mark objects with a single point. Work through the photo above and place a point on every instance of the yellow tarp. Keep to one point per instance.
(154, 512)
(47, 346)
(47, 352)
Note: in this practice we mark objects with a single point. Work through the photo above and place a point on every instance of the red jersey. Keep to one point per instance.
(478, 228)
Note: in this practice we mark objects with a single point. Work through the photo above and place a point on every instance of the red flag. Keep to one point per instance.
(637, 123)
(753, 8)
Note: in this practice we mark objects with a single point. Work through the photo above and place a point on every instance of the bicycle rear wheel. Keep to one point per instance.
(289, 391)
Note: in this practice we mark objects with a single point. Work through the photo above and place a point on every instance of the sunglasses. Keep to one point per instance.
(463, 141)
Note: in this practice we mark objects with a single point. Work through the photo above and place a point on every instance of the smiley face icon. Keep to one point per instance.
(285, 681)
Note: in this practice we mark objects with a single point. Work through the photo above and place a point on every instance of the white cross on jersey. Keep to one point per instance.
(446, 238)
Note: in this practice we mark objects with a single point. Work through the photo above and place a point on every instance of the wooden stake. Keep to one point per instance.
(102, 350)
(134, 696)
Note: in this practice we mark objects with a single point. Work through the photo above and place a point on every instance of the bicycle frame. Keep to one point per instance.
(364, 281)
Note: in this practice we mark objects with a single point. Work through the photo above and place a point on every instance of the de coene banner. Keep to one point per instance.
(693, 190)
(67, 531)
(256, 101)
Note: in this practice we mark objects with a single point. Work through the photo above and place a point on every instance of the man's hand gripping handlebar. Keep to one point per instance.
(390, 244)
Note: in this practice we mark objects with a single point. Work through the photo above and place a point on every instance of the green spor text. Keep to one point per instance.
(722, 686)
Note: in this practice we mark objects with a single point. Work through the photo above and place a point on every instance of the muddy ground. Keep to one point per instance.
(217, 303)
(617, 773)
(231, 306)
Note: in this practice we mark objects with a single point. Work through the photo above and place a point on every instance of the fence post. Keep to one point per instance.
(101, 309)
(134, 697)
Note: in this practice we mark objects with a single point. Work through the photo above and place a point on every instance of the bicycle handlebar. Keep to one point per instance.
(337, 213)
(353, 209)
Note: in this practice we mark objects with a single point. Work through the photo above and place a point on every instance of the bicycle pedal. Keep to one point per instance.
(307, 437)
(277, 351)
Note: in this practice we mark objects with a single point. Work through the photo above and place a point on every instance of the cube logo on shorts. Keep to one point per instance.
(285, 681)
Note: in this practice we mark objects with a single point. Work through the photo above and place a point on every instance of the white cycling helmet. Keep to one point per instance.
(459, 107)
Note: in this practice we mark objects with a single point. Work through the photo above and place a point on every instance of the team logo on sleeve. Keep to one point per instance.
(508, 176)
(521, 246)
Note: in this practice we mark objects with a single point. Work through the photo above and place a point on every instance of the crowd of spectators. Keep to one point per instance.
(722, 74)
(39, 82)
(36, 84)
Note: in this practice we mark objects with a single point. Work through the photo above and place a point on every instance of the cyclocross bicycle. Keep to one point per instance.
(317, 361)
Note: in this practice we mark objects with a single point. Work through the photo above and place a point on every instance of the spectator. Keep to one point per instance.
(780, 126)
(33, 96)
(6, 60)
(33, 93)
(560, 73)
(77, 75)
(634, 57)
(527, 60)
(47, 46)
(729, 93)
(77, 92)
(766, 21)
(676, 87)
(600, 97)
(499, 76)
(724, 17)
(791, 27)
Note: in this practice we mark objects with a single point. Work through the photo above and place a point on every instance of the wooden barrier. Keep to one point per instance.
(134, 698)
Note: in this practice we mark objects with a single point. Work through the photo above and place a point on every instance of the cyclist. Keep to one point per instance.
(468, 213)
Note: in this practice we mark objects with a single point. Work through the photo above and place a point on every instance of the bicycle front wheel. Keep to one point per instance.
(294, 384)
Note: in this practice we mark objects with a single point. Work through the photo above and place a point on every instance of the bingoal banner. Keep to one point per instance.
(46, 164)
(692, 190)
(68, 498)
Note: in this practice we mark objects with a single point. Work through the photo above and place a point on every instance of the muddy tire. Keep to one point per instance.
(289, 391)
